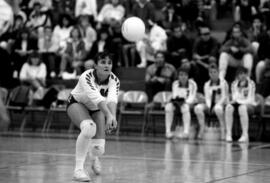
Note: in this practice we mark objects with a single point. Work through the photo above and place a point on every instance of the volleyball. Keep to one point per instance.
(133, 29)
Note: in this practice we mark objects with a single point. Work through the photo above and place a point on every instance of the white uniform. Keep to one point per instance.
(90, 93)
(187, 92)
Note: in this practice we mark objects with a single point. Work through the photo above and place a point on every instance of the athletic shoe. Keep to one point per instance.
(96, 166)
(243, 139)
(169, 135)
(228, 138)
(81, 176)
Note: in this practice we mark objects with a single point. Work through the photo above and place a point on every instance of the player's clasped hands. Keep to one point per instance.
(111, 123)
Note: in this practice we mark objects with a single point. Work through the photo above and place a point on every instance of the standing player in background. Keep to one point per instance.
(183, 96)
(92, 107)
(216, 94)
(243, 100)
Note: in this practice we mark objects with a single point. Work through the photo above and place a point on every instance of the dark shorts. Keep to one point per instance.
(71, 100)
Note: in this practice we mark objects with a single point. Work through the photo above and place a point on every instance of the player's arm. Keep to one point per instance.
(234, 92)
(192, 93)
(251, 94)
(223, 93)
(113, 91)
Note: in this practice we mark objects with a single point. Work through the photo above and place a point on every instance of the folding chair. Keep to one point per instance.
(133, 104)
(59, 107)
(156, 108)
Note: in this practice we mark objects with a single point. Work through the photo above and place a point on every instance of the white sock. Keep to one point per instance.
(82, 144)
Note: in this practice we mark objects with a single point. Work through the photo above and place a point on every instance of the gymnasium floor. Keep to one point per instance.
(28, 158)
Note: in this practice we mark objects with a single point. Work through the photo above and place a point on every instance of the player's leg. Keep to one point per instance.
(219, 111)
(223, 64)
(79, 115)
(169, 115)
(186, 118)
(229, 121)
(97, 145)
(244, 120)
(200, 114)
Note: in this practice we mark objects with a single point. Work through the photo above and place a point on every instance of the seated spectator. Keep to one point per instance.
(159, 76)
(111, 13)
(153, 42)
(102, 43)
(17, 27)
(216, 94)
(265, 11)
(74, 55)
(255, 32)
(60, 8)
(34, 72)
(49, 49)
(235, 52)
(89, 34)
(62, 31)
(22, 47)
(243, 101)
(263, 56)
(184, 92)
(37, 20)
(179, 47)
(88, 7)
(145, 10)
(205, 52)
(170, 18)
(189, 12)
(244, 11)
(45, 4)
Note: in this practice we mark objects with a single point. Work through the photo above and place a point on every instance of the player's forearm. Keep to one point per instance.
(104, 108)
(112, 107)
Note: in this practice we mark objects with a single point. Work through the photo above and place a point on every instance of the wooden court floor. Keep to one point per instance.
(47, 159)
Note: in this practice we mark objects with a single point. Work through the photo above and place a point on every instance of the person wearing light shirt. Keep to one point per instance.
(88, 7)
(183, 97)
(243, 100)
(216, 94)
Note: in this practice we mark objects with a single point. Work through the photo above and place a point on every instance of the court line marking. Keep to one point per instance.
(136, 158)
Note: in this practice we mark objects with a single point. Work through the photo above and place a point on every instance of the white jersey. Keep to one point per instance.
(221, 92)
(244, 94)
(90, 93)
(187, 92)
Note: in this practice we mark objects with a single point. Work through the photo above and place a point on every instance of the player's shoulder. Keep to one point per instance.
(113, 77)
(88, 74)
(192, 82)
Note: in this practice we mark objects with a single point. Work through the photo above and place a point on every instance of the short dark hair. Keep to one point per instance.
(241, 70)
(34, 54)
(213, 66)
(184, 70)
(103, 55)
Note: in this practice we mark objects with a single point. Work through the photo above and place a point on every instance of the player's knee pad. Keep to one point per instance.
(185, 108)
(229, 108)
(169, 107)
(88, 128)
(198, 109)
(242, 110)
(98, 147)
(218, 109)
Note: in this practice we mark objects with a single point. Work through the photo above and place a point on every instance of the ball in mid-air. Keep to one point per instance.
(133, 29)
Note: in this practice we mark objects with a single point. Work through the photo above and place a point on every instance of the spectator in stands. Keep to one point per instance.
(66, 7)
(237, 51)
(88, 7)
(103, 43)
(205, 52)
(216, 95)
(62, 31)
(170, 17)
(111, 13)
(49, 49)
(17, 27)
(34, 72)
(22, 47)
(89, 34)
(243, 101)
(263, 56)
(159, 76)
(244, 11)
(6, 14)
(153, 42)
(74, 55)
(189, 12)
(45, 4)
(37, 20)
(184, 92)
(145, 10)
(265, 11)
(179, 47)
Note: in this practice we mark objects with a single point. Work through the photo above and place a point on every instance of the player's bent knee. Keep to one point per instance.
(198, 109)
(229, 108)
(169, 107)
(185, 108)
(242, 109)
(218, 109)
(88, 128)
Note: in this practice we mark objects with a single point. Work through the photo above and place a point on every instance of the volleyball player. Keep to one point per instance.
(92, 107)
(216, 95)
(183, 96)
(243, 101)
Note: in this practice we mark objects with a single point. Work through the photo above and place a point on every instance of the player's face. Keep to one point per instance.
(242, 76)
(183, 77)
(213, 73)
(104, 66)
